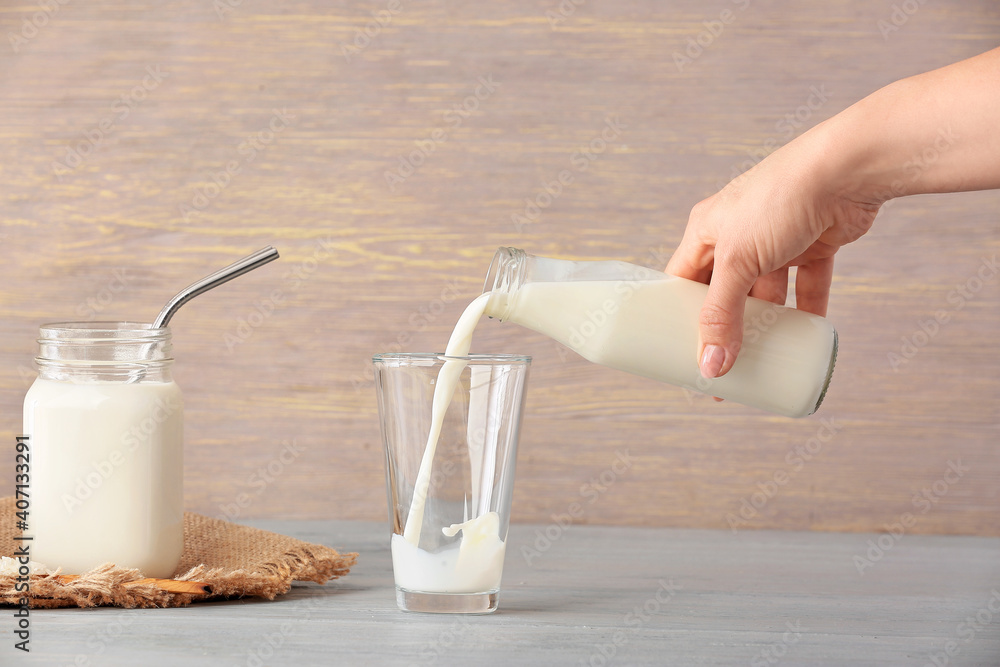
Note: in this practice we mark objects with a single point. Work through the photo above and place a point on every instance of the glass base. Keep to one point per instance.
(447, 603)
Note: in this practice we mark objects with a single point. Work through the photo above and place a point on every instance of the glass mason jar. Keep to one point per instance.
(645, 322)
(106, 422)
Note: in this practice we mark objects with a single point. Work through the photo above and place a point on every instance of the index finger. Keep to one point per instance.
(693, 261)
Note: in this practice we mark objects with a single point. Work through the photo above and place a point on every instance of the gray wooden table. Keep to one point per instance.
(588, 596)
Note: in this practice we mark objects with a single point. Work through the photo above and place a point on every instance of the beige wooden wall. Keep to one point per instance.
(173, 94)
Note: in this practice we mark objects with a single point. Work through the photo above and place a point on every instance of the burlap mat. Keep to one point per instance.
(233, 560)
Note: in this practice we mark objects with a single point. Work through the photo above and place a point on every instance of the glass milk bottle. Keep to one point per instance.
(645, 322)
(105, 421)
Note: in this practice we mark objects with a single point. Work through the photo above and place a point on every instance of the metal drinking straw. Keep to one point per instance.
(248, 263)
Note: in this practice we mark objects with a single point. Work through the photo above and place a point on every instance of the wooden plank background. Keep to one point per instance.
(171, 94)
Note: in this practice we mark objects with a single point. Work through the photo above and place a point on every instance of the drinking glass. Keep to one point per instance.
(449, 496)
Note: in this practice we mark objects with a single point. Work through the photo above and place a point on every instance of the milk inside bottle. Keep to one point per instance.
(645, 322)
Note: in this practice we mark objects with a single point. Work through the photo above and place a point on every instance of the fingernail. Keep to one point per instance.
(711, 361)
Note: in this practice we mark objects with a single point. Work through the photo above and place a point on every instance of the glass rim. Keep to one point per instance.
(441, 356)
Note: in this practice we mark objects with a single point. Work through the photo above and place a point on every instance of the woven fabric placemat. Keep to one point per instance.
(220, 560)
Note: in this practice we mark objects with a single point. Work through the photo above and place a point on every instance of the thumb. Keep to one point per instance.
(721, 321)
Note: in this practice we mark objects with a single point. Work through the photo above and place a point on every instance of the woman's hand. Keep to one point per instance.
(742, 240)
(821, 191)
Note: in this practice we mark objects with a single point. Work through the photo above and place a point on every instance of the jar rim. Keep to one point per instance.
(66, 331)
(104, 351)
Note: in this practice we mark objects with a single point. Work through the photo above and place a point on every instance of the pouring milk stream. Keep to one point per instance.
(623, 316)
(477, 563)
